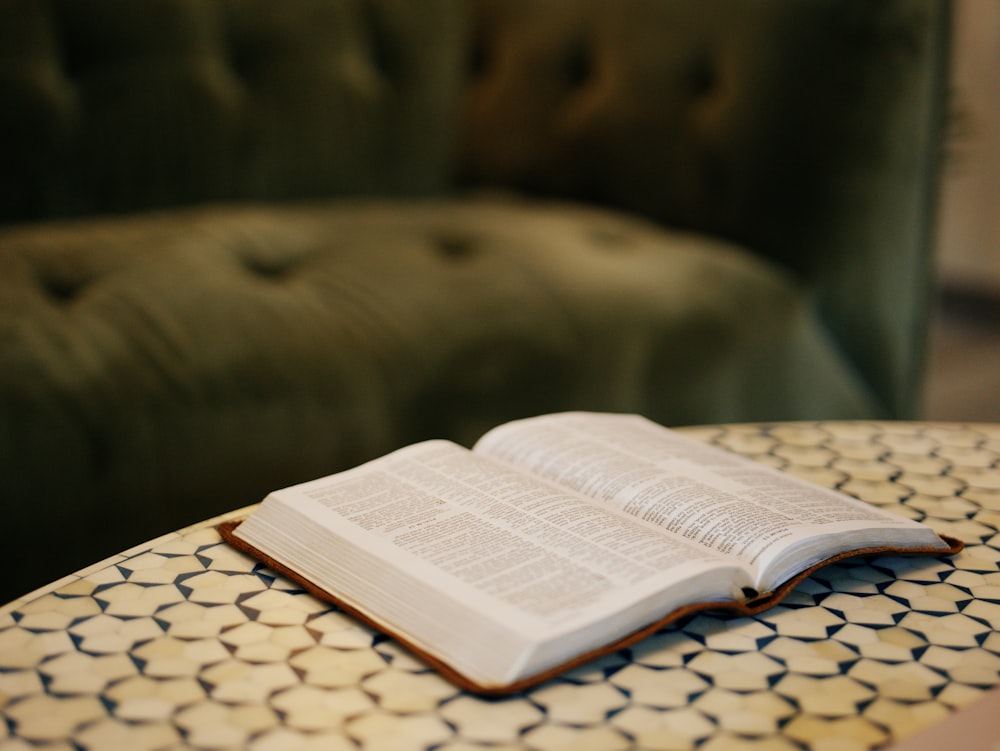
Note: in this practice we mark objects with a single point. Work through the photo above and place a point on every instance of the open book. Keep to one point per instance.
(558, 538)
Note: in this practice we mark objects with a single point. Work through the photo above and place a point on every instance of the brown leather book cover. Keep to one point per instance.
(751, 606)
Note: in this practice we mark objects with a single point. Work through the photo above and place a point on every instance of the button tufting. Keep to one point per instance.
(268, 268)
(60, 288)
(579, 67)
(455, 247)
(703, 78)
(479, 59)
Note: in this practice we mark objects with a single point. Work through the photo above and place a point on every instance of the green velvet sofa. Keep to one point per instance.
(246, 243)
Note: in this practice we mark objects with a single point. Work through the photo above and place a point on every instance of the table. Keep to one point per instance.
(182, 643)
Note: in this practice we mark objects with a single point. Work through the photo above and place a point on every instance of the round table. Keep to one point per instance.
(183, 643)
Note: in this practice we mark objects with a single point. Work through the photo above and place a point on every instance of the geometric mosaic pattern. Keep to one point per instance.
(183, 643)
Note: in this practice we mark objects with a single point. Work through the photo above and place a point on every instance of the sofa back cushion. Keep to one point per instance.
(808, 132)
(112, 105)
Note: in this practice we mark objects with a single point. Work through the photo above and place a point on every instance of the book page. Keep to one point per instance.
(470, 540)
(719, 500)
(535, 547)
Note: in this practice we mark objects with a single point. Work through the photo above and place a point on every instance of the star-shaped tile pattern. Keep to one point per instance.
(184, 643)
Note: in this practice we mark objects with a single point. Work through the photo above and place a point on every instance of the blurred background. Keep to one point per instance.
(963, 381)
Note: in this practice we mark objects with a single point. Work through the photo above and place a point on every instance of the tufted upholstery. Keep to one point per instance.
(686, 117)
(242, 246)
(124, 106)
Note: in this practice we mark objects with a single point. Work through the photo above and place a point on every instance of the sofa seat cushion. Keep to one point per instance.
(159, 368)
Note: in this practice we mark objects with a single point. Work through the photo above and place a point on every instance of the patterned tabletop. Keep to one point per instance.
(182, 643)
